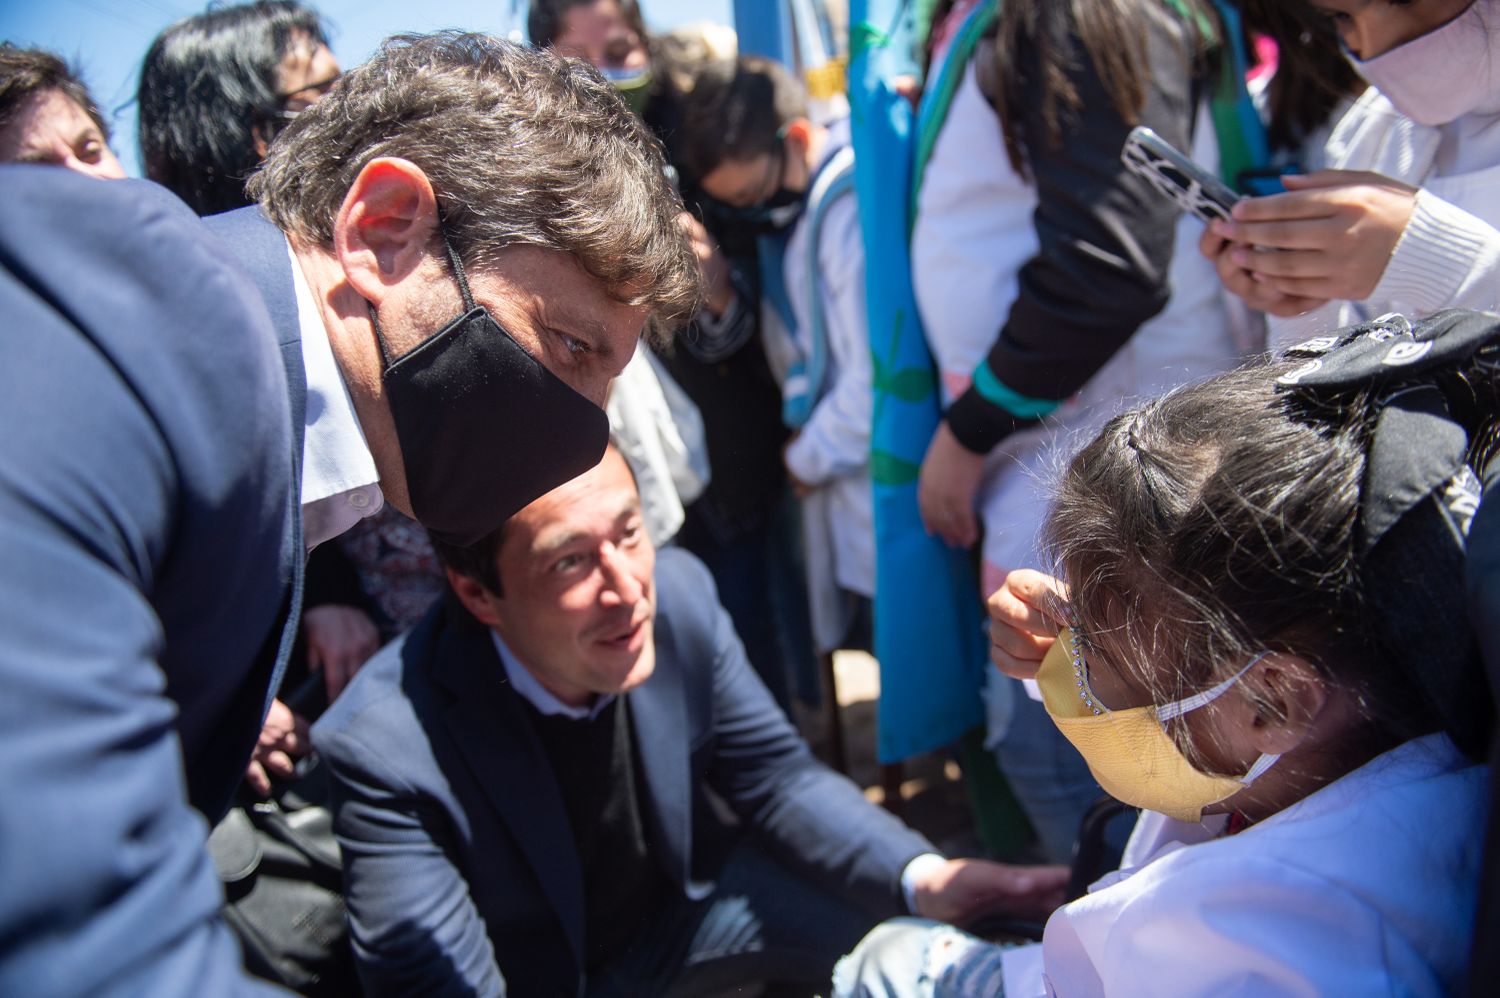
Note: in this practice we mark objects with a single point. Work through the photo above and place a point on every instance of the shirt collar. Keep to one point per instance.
(336, 460)
(533, 692)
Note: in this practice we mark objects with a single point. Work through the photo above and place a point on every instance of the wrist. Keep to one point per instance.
(915, 877)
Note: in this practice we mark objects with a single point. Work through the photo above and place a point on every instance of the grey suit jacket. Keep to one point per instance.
(458, 855)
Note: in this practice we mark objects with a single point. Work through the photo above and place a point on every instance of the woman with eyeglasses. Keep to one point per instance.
(217, 87)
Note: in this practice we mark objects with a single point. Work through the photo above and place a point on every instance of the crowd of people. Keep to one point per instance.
(428, 490)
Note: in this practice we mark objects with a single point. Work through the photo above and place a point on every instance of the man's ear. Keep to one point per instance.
(1288, 694)
(478, 600)
(798, 135)
(383, 229)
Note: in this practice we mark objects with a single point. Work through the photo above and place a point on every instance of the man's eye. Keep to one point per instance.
(567, 564)
(91, 152)
(572, 344)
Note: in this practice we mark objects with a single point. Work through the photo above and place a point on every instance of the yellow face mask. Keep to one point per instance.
(1129, 751)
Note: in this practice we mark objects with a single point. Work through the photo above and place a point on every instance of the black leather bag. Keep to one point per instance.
(283, 887)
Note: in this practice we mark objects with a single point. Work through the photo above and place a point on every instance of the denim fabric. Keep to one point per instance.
(919, 958)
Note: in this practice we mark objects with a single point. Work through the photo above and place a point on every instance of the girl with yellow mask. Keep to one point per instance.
(1261, 640)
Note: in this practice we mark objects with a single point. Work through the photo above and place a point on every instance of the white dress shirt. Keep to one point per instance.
(340, 485)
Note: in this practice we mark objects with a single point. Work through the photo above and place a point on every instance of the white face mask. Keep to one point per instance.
(1442, 75)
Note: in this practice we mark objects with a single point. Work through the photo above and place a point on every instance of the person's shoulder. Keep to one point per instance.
(684, 586)
(687, 607)
(383, 705)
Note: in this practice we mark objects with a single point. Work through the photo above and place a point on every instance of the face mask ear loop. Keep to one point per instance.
(385, 357)
(1170, 711)
(1258, 770)
(458, 272)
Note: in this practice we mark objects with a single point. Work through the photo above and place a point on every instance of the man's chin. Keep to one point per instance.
(631, 663)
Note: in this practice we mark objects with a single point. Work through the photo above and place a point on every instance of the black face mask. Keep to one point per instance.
(771, 217)
(484, 427)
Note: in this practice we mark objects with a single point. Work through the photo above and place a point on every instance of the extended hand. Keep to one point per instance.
(947, 489)
(1328, 237)
(962, 890)
(1257, 292)
(1025, 617)
(283, 740)
(718, 289)
(340, 639)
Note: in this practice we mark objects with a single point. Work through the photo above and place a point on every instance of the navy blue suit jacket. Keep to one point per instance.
(149, 550)
(458, 856)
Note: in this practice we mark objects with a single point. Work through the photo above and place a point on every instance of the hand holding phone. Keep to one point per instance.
(1192, 187)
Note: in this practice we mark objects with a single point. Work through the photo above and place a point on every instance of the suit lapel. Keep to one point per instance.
(489, 725)
(658, 711)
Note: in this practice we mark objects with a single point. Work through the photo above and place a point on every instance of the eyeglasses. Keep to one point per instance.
(308, 94)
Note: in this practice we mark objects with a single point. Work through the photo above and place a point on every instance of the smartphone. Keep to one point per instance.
(1193, 188)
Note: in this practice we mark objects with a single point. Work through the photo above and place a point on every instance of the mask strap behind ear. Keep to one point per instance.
(458, 272)
(1208, 696)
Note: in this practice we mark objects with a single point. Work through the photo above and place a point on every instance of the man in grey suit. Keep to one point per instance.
(569, 780)
(459, 247)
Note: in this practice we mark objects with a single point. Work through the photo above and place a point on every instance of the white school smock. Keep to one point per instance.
(1366, 887)
(833, 449)
(973, 234)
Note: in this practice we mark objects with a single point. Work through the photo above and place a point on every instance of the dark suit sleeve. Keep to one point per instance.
(809, 816)
(105, 887)
(416, 929)
(1104, 247)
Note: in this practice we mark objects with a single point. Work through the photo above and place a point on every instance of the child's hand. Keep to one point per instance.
(1328, 237)
(1260, 294)
(800, 489)
(947, 489)
(1025, 616)
(718, 289)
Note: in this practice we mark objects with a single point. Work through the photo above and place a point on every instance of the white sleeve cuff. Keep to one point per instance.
(1441, 249)
(915, 870)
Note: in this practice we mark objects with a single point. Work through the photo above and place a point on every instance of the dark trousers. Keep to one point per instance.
(763, 924)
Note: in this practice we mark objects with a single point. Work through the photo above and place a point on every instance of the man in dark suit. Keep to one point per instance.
(568, 779)
(148, 545)
(459, 247)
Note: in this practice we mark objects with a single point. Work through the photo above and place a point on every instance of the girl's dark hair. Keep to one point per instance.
(1220, 520)
(737, 116)
(1034, 60)
(1313, 76)
(24, 72)
(207, 84)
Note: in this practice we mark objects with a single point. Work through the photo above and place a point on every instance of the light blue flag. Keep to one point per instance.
(928, 634)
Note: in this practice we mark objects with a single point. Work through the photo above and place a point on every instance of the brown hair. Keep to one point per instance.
(1113, 33)
(737, 116)
(24, 72)
(522, 147)
(1218, 521)
(1313, 76)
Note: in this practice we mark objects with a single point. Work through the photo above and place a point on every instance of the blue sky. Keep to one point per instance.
(106, 38)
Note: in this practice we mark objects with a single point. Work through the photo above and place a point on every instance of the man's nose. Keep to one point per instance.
(619, 579)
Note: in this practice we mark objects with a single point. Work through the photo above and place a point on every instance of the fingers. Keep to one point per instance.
(1330, 178)
(1024, 619)
(255, 775)
(947, 488)
(976, 887)
(1040, 591)
(1284, 234)
(1294, 204)
(283, 731)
